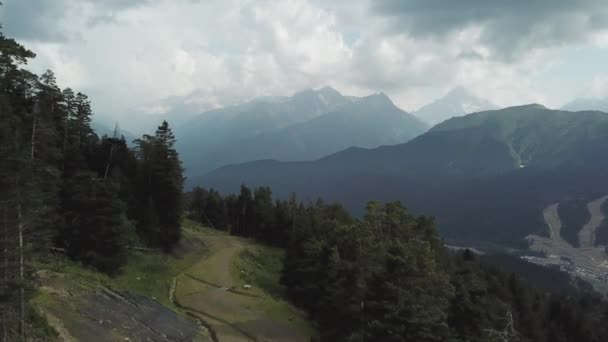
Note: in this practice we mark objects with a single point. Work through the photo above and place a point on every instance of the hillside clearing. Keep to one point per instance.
(213, 289)
(83, 304)
(194, 294)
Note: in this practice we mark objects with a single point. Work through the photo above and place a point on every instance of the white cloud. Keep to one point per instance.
(599, 87)
(148, 55)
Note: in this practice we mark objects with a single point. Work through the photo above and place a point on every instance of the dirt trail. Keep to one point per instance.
(208, 290)
(586, 236)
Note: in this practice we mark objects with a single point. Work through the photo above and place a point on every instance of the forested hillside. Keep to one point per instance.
(388, 277)
(66, 190)
(501, 167)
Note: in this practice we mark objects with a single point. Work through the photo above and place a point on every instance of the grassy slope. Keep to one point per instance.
(147, 273)
(152, 274)
(213, 288)
(260, 267)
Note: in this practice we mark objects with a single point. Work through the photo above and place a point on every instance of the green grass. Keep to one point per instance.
(211, 255)
(260, 266)
(147, 273)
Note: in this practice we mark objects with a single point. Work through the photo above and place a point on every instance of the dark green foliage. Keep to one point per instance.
(94, 232)
(387, 277)
(61, 185)
(574, 215)
(158, 189)
(376, 279)
(26, 187)
(209, 208)
(548, 279)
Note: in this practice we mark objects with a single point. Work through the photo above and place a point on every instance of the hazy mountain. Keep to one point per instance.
(367, 122)
(587, 104)
(500, 167)
(305, 126)
(102, 129)
(457, 102)
(257, 116)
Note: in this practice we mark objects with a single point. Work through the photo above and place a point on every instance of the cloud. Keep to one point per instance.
(37, 20)
(599, 87)
(50, 20)
(507, 27)
(153, 56)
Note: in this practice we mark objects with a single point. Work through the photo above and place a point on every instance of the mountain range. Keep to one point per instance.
(306, 126)
(501, 167)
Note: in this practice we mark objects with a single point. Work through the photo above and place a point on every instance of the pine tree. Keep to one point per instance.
(244, 212)
(94, 232)
(18, 197)
(262, 214)
(159, 189)
(82, 120)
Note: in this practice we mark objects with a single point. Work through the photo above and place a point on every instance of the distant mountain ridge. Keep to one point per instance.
(367, 122)
(583, 104)
(308, 125)
(457, 102)
(101, 130)
(508, 164)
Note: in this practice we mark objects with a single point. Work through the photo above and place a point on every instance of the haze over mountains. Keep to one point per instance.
(104, 130)
(500, 166)
(457, 102)
(306, 126)
(581, 104)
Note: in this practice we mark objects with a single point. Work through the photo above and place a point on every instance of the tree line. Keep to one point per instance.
(64, 189)
(388, 276)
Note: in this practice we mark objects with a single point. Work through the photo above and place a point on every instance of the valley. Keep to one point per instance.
(588, 261)
(303, 171)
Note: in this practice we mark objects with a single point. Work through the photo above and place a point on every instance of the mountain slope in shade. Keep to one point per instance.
(208, 132)
(587, 104)
(501, 167)
(367, 122)
(457, 102)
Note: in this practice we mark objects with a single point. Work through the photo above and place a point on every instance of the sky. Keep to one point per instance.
(154, 56)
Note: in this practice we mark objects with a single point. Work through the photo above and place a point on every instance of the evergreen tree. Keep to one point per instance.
(94, 233)
(244, 207)
(262, 214)
(159, 189)
(21, 208)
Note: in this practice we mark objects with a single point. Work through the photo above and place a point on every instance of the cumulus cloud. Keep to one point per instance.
(37, 20)
(507, 27)
(155, 56)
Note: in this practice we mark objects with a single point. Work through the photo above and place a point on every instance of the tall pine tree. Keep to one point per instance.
(159, 189)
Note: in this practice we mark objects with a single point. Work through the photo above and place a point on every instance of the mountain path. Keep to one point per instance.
(208, 291)
(222, 254)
